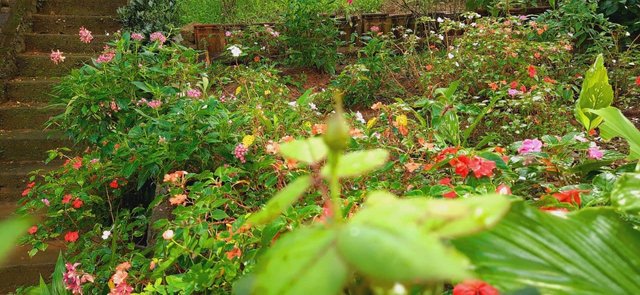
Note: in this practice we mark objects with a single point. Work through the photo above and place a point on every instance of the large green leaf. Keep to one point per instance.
(281, 201)
(309, 150)
(302, 262)
(617, 125)
(590, 252)
(596, 93)
(358, 163)
(626, 193)
(10, 231)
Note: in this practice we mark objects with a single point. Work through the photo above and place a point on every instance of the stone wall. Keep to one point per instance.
(14, 19)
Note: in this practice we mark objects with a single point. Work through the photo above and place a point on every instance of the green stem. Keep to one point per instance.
(334, 186)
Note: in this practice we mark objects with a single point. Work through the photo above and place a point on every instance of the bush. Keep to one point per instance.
(148, 16)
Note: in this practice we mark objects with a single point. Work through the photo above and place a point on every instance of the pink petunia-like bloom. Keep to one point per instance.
(158, 36)
(57, 56)
(73, 279)
(137, 36)
(85, 35)
(530, 145)
(154, 104)
(194, 93)
(513, 92)
(595, 153)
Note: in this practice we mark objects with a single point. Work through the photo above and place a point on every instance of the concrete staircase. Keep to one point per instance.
(23, 142)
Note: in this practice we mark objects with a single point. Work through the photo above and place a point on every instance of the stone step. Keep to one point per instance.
(25, 116)
(81, 7)
(30, 89)
(29, 145)
(23, 275)
(40, 64)
(15, 175)
(65, 43)
(70, 24)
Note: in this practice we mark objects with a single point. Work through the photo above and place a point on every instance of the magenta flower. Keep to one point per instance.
(137, 36)
(57, 57)
(194, 93)
(530, 145)
(154, 104)
(106, 56)
(513, 92)
(85, 35)
(240, 152)
(595, 153)
(158, 36)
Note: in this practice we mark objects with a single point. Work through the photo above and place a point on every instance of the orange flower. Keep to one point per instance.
(493, 86)
(570, 196)
(318, 129)
(32, 230)
(178, 199)
(235, 252)
(411, 166)
(549, 80)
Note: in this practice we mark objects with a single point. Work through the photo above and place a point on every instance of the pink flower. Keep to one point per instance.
(513, 92)
(228, 33)
(106, 57)
(73, 279)
(168, 234)
(472, 287)
(137, 36)
(46, 202)
(158, 36)
(194, 93)
(595, 153)
(85, 35)
(530, 145)
(57, 57)
(154, 104)
(375, 29)
(32, 230)
(114, 106)
(240, 152)
(350, 2)
(503, 189)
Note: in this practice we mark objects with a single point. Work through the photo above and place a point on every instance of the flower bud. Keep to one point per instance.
(337, 135)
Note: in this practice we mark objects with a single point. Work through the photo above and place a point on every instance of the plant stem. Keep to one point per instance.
(334, 186)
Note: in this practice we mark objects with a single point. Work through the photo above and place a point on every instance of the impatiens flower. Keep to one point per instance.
(73, 279)
(106, 234)
(349, 2)
(32, 230)
(77, 163)
(450, 195)
(429, 68)
(481, 167)
(493, 86)
(228, 33)
(513, 85)
(503, 189)
(513, 92)
(235, 252)
(595, 153)
(71, 236)
(474, 287)
(532, 71)
(66, 198)
(158, 36)
(529, 146)
(549, 80)
(570, 196)
(137, 36)
(57, 57)
(235, 50)
(77, 203)
(114, 184)
(194, 93)
(638, 81)
(461, 165)
(178, 199)
(167, 235)
(85, 35)
(445, 181)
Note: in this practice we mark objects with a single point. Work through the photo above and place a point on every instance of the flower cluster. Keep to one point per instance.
(239, 152)
(85, 35)
(119, 280)
(480, 166)
(73, 279)
(57, 56)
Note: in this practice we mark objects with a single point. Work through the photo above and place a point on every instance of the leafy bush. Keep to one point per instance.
(148, 16)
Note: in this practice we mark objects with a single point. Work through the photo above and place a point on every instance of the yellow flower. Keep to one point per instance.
(248, 140)
(372, 122)
(401, 120)
(238, 90)
(267, 92)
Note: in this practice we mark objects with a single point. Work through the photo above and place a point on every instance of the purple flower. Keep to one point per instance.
(530, 145)
(595, 153)
(513, 92)
(194, 93)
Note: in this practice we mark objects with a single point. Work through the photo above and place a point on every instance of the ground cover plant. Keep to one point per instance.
(479, 155)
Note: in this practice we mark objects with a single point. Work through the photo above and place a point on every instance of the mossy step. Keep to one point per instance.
(21, 275)
(30, 89)
(15, 175)
(81, 7)
(70, 24)
(25, 116)
(65, 43)
(29, 145)
(40, 64)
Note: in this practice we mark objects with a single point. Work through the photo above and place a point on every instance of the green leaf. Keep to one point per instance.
(10, 231)
(57, 283)
(617, 125)
(305, 98)
(358, 163)
(281, 201)
(596, 93)
(309, 150)
(302, 262)
(626, 193)
(590, 252)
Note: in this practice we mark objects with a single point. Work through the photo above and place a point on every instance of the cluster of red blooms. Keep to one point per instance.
(474, 287)
(480, 166)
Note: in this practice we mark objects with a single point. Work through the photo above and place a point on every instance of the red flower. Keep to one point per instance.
(66, 199)
(570, 196)
(474, 287)
(461, 165)
(503, 189)
(523, 88)
(71, 236)
(447, 151)
(482, 167)
(537, 55)
(532, 71)
(235, 252)
(114, 184)
(77, 163)
(77, 203)
(638, 81)
(450, 195)
(514, 85)
(26, 191)
(445, 181)
(31, 184)
(32, 230)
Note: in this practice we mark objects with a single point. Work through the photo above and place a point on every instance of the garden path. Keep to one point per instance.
(23, 142)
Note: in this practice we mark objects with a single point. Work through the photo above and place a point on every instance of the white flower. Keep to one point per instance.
(570, 34)
(441, 37)
(293, 103)
(440, 20)
(167, 235)
(450, 55)
(457, 64)
(359, 118)
(106, 234)
(399, 289)
(313, 106)
(627, 34)
(235, 51)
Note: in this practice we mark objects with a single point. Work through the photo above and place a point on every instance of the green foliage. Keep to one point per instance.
(146, 17)
(11, 230)
(617, 125)
(589, 252)
(624, 12)
(596, 94)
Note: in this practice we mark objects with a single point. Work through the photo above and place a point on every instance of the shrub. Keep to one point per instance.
(150, 16)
